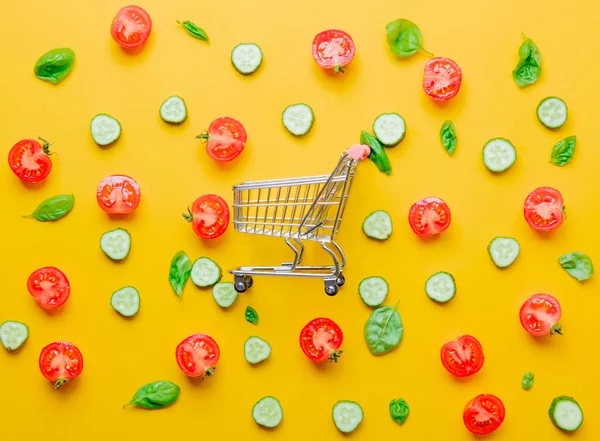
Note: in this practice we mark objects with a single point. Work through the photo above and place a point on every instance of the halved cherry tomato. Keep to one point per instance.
(197, 355)
(49, 286)
(29, 160)
(131, 27)
(60, 362)
(321, 339)
(543, 209)
(540, 314)
(462, 357)
(442, 79)
(333, 49)
(118, 194)
(209, 215)
(225, 139)
(429, 216)
(484, 414)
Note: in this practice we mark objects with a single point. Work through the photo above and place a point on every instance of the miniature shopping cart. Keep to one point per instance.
(297, 210)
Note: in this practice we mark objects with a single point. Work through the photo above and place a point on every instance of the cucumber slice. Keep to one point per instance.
(267, 412)
(224, 294)
(552, 112)
(347, 415)
(256, 350)
(246, 58)
(126, 301)
(499, 154)
(373, 290)
(105, 129)
(173, 110)
(378, 225)
(116, 243)
(13, 334)
(503, 251)
(441, 287)
(565, 413)
(298, 119)
(205, 272)
(390, 129)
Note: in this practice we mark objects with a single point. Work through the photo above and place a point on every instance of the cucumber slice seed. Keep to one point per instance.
(105, 129)
(116, 243)
(126, 301)
(552, 112)
(504, 251)
(256, 350)
(13, 334)
(173, 110)
(390, 129)
(246, 58)
(565, 413)
(441, 287)
(224, 294)
(205, 272)
(298, 119)
(378, 225)
(267, 412)
(373, 290)
(347, 415)
(499, 154)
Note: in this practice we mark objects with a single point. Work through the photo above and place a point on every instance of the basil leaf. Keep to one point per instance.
(527, 381)
(529, 67)
(251, 315)
(194, 30)
(155, 395)
(383, 330)
(404, 38)
(53, 208)
(578, 265)
(448, 137)
(54, 65)
(179, 272)
(399, 410)
(378, 154)
(563, 150)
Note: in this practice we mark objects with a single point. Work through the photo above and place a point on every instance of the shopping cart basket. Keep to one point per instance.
(296, 209)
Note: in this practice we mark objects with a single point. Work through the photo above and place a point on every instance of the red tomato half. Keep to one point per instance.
(209, 215)
(49, 286)
(333, 49)
(484, 414)
(321, 339)
(118, 194)
(442, 79)
(29, 160)
(225, 140)
(131, 27)
(463, 356)
(429, 216)
(540, 314)
(197, 355)
(543, 209)
(60, 362)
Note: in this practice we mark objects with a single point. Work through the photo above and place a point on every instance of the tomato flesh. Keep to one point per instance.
(209, 215)
(131, 27)
(60, 362)
(429, 216)
(463, 356)
(197, 355)
(540, 314)
(321, 339)
(442, 79)
(118, 194)
(225, 140)
(29, 160)
(543, 209)
(333, 49)
(49, 287)
(484, 414)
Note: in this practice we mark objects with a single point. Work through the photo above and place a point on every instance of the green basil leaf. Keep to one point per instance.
(54, 65)
(404, 38)
(155, 395)
(578, 265)
(53, 208)
(527, 381)
(179, 272)
(448, 137)
(399, 410)
(378, 154)
(383, 330)
(563, 150)
(529, 67)
(193, 30)
(251, 315)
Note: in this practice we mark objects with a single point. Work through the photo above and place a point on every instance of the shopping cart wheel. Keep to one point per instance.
(331, 287)
(340, 280)
(240, 284)
(248, 281)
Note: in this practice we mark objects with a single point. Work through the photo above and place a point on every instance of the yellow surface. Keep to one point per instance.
(173, 169)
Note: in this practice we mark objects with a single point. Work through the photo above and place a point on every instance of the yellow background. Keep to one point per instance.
(173, 169)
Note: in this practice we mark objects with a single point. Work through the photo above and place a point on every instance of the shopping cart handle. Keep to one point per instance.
(359, 151)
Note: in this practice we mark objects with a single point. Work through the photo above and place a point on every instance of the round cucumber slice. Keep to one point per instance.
(298, 119)
(504, 251)
(116, 243)
(205, 272)
(246, 58)
(373, 290)
(173, 110)
(224, 294)
(13, 334)
(105, 129)
(499, 154)
(378, 225)
(267, 412)
(256, 350)
(347, 415)
(552, 112)
(566, 414)
(390, 129)
(126, 301)
(441, 287)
